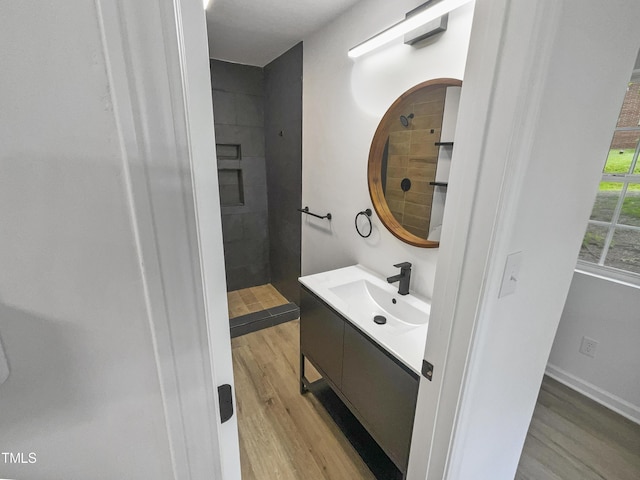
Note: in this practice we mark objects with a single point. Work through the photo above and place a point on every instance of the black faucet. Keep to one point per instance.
(404, 277)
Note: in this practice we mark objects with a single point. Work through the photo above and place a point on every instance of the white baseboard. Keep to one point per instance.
(612, 402)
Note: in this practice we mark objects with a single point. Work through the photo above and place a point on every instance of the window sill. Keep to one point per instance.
(609, 274)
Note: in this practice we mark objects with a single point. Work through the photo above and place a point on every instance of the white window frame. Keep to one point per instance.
(600, 268)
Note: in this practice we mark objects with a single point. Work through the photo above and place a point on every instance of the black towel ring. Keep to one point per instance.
(367, 214)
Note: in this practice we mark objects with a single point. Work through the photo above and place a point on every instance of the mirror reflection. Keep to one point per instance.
(410, 159)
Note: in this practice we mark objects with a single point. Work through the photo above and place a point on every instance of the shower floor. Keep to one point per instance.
(255, 308)
(254, 299)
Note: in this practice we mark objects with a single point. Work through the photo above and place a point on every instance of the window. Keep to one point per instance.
(612, 239)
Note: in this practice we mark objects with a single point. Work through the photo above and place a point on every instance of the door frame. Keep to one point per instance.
(157, 63)
(490, 353)
(454, 317)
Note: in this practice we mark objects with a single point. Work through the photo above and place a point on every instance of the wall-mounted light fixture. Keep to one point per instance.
(426, 13)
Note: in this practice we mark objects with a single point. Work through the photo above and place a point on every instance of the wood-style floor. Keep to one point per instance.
(285, 435)
(253, 299)
(571, 437)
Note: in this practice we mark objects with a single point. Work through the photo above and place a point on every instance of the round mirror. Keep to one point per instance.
(410, 158)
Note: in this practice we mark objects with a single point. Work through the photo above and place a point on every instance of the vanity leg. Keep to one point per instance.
(303, 381)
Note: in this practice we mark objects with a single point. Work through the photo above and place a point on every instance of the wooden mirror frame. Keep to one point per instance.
(375, 166)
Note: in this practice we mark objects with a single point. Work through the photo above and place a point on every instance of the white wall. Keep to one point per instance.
(606, 311)
(83, 393)
(343, 101)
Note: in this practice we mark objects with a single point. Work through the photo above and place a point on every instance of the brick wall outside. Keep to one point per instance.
(629, 117)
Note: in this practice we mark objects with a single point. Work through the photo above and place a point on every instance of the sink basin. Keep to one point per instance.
(359, 295)
(374, 300)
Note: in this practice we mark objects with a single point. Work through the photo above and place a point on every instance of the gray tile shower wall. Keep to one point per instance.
(283, 144)
(238, 106)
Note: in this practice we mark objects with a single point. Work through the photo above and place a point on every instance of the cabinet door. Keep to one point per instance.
(321, 337)
(383, 393)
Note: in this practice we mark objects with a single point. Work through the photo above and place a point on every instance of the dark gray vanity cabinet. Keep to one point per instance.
(379, 390)
(382, 392)
(321, 337)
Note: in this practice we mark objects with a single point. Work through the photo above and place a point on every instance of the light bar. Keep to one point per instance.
(409, 24)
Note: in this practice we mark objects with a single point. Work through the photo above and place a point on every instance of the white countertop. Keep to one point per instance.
(405, 341)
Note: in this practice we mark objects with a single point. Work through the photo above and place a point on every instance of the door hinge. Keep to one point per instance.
(225, 398)
(427, 370)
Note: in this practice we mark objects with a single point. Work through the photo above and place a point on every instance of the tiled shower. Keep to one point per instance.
(258, 129)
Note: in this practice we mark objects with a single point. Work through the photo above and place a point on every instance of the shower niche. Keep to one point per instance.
(230, 177)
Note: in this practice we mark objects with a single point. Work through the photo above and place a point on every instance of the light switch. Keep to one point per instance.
(511, 274)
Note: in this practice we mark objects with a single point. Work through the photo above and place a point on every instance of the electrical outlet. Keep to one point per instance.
(588, 346)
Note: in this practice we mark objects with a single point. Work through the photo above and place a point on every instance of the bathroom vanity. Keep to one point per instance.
(373, 367)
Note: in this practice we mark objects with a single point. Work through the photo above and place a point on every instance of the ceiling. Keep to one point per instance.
(254, 32)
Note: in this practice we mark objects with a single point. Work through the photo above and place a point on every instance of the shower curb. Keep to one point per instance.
(253, 322)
